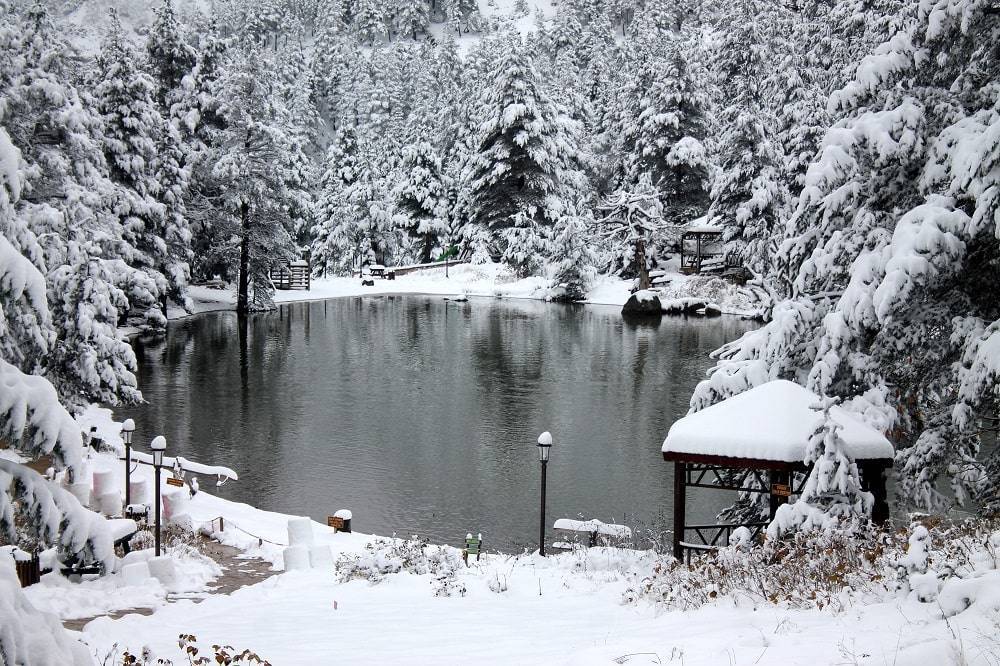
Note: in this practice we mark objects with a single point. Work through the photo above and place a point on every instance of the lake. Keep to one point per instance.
(420, 415)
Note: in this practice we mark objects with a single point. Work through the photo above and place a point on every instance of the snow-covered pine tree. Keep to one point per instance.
(34, 423)
(527, 168)
(340, 170)
(748, 197)
(412, 17)
(573, 260)
(170, 57)
(251, 169)
(664, 139)
(890, 255)
(196, 117)
(370, 21)
(831, 497)
(91, 361)
(421, 197)
(66, 197)
(132, 128)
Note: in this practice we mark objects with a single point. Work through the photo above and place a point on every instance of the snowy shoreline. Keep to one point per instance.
(483, 281)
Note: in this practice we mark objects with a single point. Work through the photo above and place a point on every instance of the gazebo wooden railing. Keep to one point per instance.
(292, 275)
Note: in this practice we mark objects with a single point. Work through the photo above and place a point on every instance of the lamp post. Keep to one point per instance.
(127, 429)
(544, 444)
(158, 445)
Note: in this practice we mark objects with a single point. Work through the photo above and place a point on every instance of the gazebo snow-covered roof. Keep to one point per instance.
(701, 245)
(756, 442)
(703, 225)
(770, 422)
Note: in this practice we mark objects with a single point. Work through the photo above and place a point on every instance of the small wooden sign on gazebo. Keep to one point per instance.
(755, 442)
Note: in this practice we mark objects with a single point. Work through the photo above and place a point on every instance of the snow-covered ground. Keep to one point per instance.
(517, 609)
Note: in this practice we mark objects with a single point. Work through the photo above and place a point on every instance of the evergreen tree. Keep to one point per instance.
(170, 58)
(831, 497)
(665, 137)
(527, 164)
(132, 128)
(573, 269)
(412, 17)
(254, 181)
(421, 198)
(748, 196)
(329, 251)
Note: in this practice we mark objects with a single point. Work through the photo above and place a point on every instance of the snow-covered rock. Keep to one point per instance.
(643, 303)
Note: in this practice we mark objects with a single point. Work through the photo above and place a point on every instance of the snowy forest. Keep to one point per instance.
(850, 150)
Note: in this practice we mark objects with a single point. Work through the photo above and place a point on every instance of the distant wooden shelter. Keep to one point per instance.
(756, 442)
(701, 247)
(292, 275)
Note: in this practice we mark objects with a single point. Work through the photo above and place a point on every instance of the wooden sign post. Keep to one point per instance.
(335, 522)
(781, 489)
(179, 483)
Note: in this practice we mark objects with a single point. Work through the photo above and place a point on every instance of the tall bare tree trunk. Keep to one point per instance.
(243, 289)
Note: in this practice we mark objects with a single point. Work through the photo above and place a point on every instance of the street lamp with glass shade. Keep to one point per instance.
(544, 445)
(128, 427)
(158, 446)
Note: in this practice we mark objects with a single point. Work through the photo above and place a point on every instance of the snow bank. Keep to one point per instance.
(28, 636)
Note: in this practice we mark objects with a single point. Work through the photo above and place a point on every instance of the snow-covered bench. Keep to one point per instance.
(594, 529)
(122, 530)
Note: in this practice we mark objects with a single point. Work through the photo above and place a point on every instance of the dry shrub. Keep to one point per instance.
(811, 570)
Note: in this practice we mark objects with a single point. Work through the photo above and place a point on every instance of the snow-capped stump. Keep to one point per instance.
(296, 558)
(162, 569)
(643, 303)
(759, 439)
(300, 532)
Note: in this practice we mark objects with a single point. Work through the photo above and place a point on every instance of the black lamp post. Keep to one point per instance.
(158, 445)
(127, 429)
(544, 444)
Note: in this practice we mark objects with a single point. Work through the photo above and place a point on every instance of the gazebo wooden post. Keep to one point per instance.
(778, 477)
(680, 494)
(873, 481)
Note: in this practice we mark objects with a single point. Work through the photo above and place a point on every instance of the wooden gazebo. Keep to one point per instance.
(701, 245)
(756, 442)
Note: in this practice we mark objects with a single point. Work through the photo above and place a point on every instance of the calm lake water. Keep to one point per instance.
(421, 415)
